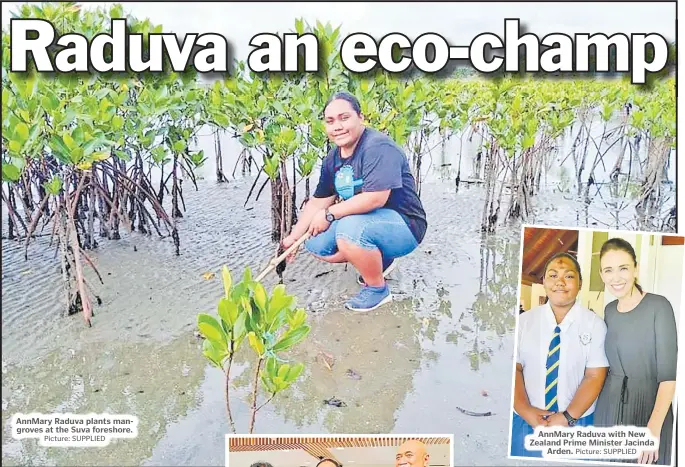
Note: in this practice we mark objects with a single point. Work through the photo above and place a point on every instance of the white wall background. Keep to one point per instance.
(667, 281)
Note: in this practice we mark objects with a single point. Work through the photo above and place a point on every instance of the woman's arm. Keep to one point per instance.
(313, 206)
(588, 391)
(596, 368)
(532, 415)
(666, 355)
(664, 398)
(361, 203)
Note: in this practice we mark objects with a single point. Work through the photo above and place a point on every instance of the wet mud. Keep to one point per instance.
(444, 344)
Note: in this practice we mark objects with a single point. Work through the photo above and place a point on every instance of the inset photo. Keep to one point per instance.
(339, 451)
(596, 346)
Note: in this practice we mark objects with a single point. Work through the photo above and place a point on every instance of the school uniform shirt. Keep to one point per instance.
(582, 346)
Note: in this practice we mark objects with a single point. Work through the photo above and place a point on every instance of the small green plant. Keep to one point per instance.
(271, 324)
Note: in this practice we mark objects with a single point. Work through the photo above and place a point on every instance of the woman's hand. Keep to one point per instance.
(650, 457)
(287, 243)
(319, 223)
(557, 419)
(535, 417)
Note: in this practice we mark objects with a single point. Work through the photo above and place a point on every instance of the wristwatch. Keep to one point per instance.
(329, 217)
(571, 421)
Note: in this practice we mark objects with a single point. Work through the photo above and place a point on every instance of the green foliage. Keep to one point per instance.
(73, 122)
(520, 113)
(81, 119)
(271, 323)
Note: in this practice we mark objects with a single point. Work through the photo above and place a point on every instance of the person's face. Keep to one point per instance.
(411, 454)
(343, 124)
(562, 282)
(618, 272)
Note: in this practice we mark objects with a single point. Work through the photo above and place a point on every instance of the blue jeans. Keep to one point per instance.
(382, 229)
(520, 429)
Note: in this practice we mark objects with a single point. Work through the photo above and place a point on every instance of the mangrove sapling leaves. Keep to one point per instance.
(91, 145)
(214, 355)
(222, 120)
(267, 381)
(278, 302)
(7, 98)
(237, 292)
(276, 319)
(239, 330)
(294, 372)
(54, 186)
(15, 147)
(271, 367)
(124, 156)
(296, 318)
(227, 283)
(306, 163)
(228, 311)
(211, 329)
(291, 338)
(10, 172)
(68, 141)
(271, 166)
(246, 304)
(247, 276)
(283, 371)
(255, 320)
(260, 298)
(118, 122)
(256, 343)
(279, 383)
(76, 155)
(607, 112)
(21, 133)
(198, 158)
(278, 105)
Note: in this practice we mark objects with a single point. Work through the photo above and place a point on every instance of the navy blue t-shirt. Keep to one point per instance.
(377, 164)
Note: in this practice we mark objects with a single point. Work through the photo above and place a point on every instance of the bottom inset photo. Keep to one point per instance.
(339, 451)
(596, 348)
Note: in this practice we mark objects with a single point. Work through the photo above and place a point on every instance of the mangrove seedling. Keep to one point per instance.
(271, 324)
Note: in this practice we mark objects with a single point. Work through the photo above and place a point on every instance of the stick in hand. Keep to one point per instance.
(275, 261)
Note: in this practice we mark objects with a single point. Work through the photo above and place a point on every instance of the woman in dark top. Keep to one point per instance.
(641, 346)
(365, 210)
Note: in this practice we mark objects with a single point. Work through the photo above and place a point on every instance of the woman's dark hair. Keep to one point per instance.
(326, 459)
(346, 96)
(564, 255)
(618, 244)
(261, 464)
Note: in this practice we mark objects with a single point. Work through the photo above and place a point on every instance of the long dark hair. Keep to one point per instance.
(618, 244)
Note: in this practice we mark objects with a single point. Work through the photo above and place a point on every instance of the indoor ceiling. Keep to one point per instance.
(540, 244)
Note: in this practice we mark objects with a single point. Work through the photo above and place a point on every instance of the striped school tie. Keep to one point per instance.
(553, 372)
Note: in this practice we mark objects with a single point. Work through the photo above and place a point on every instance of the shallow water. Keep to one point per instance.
(458, 154)
(445, 342)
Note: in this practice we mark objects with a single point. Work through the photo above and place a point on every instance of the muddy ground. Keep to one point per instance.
(444, 344)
